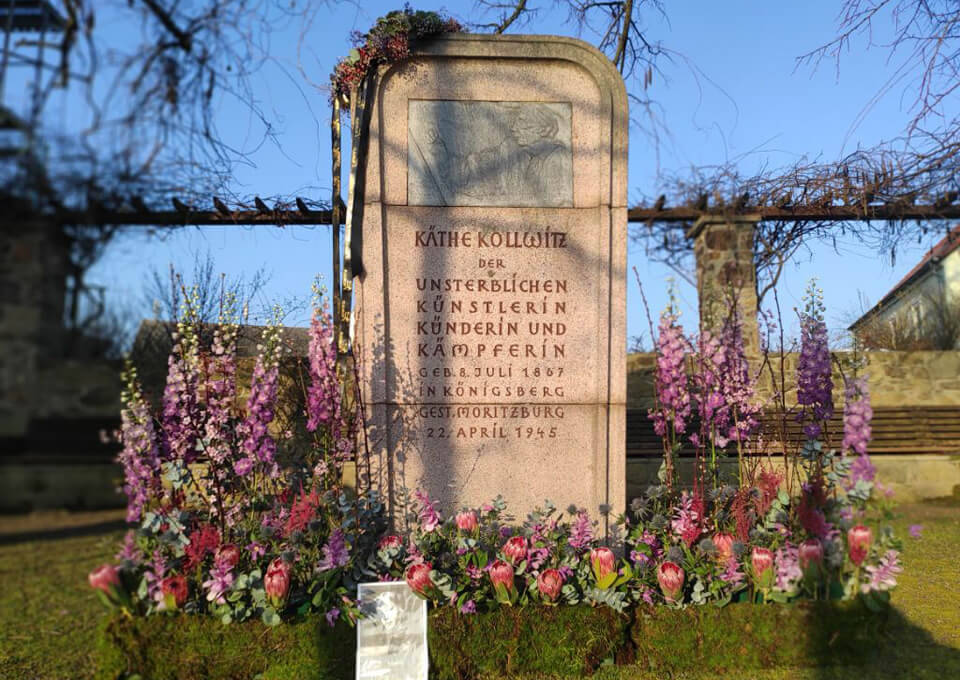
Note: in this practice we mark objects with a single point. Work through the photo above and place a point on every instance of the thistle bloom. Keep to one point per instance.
(418, 578)
(501, 574)
(277, 581)
(105, 578)
(603, 561)
(175, 590)
(670, 576)
(761, 560)
(811, 552)
(467, 521)
(549, 583)
(859, 539)
(515, 550)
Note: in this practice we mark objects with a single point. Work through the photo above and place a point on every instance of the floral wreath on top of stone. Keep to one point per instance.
(387, 42)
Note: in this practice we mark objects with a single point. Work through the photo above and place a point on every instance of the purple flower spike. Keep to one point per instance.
(814, 373)
(673, 395)
(857, 415)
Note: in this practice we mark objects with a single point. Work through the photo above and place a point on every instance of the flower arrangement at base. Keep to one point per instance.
(236, 517)
(234, 521)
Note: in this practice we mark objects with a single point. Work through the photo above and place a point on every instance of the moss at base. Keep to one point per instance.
(557, 641)
(741, 636)
(180, 647)
(534, 641)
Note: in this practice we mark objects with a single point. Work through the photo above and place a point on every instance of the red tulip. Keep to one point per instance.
(515, 549)
(277, 581)
(467, 521)
(501, 574)
(175, 590)
(603, 561)
(670, 577)
(762, 562)
(105, 578)
(811, 551)
(418, 578)
(227, 555)
(390, 542)
(549, 583)
(859, 540)
(724, 546)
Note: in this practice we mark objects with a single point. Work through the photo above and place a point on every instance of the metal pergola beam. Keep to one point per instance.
(223, 216)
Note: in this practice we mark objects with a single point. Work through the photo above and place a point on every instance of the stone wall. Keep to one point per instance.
(896, 379)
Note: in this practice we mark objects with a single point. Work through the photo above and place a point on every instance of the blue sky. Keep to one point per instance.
(730, 91)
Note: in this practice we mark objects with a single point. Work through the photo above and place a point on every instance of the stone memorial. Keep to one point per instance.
(490, 314)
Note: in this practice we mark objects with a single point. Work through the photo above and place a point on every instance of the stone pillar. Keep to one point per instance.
(32, 260)
(723, 248)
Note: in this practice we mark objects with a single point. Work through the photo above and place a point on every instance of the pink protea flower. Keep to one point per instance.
(761, 560)
(549, 583)
(418, 578)
(390, 542)
(501, 574)
(467, 521)
(105, 578)
(859, 540)
(277, 581)
(515, 550)
(175, 590)
(603, 561)
(724, 545)
(811, 552)
(670, 576)
(227, 555)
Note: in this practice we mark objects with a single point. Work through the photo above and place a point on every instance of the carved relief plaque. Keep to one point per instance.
(478, 153)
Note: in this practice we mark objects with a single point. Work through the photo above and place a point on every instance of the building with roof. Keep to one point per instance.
(922, 311)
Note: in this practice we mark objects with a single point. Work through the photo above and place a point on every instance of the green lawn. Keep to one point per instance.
(48, 614)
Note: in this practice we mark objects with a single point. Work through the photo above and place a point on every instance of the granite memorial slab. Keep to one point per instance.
(490, 318)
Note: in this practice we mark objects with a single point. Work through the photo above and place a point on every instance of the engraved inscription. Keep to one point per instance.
(478, 153)
(492, 340)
